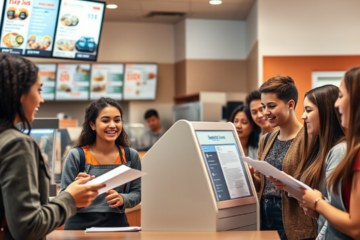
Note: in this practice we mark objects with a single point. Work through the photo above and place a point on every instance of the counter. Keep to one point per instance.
(81, 235)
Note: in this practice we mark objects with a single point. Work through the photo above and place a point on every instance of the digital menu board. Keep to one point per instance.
(107, 81)
(140, 81)
(29, 27)
(47, 73)
(72, 82)
(78, 29)
(1, 9)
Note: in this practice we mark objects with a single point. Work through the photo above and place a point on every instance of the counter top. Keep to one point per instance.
(232, 235)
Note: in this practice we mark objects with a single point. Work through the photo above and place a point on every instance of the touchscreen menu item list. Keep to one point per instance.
(225, 168)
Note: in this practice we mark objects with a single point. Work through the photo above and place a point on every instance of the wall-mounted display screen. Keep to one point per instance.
(107, 81)
(47, 73)
(140, 81)
(78, 29)
(225, 168)
(29, 27)
(73, 82)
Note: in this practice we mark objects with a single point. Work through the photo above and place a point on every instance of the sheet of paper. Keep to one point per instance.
(116, 177)
(113, 229)
(269, 170)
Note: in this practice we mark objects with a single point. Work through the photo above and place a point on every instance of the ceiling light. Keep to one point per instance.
(111, 6)
(215, 2)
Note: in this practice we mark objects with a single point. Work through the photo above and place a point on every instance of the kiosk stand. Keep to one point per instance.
(197, 181)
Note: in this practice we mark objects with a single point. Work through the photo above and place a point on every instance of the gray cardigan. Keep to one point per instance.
(325, 230)
(24, 196)
(131, 192)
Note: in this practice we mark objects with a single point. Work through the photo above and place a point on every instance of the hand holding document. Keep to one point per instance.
(292, 185)
(113, 229)
(116, 177)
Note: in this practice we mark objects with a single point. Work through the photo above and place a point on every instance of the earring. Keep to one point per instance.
(93, 129)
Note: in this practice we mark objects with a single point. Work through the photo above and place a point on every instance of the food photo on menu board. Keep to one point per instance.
(140, 81)
(72, 82)
(29, 27)
(107, 81)
(47, 73)
(78, 29)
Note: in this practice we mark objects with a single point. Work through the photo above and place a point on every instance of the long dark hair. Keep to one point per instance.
(317, 147)
(255, 133)
(17, 75)
(343, 172)
(88, 136)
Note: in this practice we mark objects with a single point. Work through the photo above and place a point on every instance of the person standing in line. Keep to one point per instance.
(342, 212)
(253, 101)
(283, 150)
(324, 147)
(248, 131)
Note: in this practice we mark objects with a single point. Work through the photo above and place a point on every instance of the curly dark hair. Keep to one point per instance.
(88, 136)
(17, 75)
(255, 133)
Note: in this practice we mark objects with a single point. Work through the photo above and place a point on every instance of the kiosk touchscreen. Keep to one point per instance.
(197, 181)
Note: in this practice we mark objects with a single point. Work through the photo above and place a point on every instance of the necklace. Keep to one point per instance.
(100, 162)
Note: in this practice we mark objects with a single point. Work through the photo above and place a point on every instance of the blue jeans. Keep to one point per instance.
(271, 215)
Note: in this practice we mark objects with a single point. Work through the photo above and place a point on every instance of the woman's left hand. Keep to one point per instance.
(114, 199)
(309, 197)
(278, 184)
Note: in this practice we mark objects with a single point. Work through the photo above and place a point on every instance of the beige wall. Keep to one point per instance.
(216, 75)
(180, 78)
(252, 68)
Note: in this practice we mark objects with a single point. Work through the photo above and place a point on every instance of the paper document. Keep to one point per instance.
(116, 177)
(268, 170)
(113, 229)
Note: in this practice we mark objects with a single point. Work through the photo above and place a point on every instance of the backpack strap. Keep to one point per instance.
(82, 159)
(127, 154)
(266, 139)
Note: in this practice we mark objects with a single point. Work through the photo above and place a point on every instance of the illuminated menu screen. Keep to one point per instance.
(140, 81)
(47, 73)
(107, 81)
(225, 167)
(78, 29)
(72, 82)
(29, 27)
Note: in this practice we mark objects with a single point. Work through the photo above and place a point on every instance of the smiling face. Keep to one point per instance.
(258, 115)
(243, 125)
(343, 104)
(311, 117)
(31, 101)
(108, 124)
(276, 111)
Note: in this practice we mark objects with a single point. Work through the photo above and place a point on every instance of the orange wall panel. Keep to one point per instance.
(300, 69)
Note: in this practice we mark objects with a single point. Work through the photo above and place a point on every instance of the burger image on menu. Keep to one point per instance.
(86, 44)
(151, 75)
(64, 88)
(98, 77)
(14, 13)
(98, 88)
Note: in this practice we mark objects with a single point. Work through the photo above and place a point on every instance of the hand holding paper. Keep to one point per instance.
(292, 185)
(116, 177)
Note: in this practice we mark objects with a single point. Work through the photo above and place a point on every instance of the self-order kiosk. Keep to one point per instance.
(196, 181)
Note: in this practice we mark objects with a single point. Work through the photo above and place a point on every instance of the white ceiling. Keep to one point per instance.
(136, 10)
